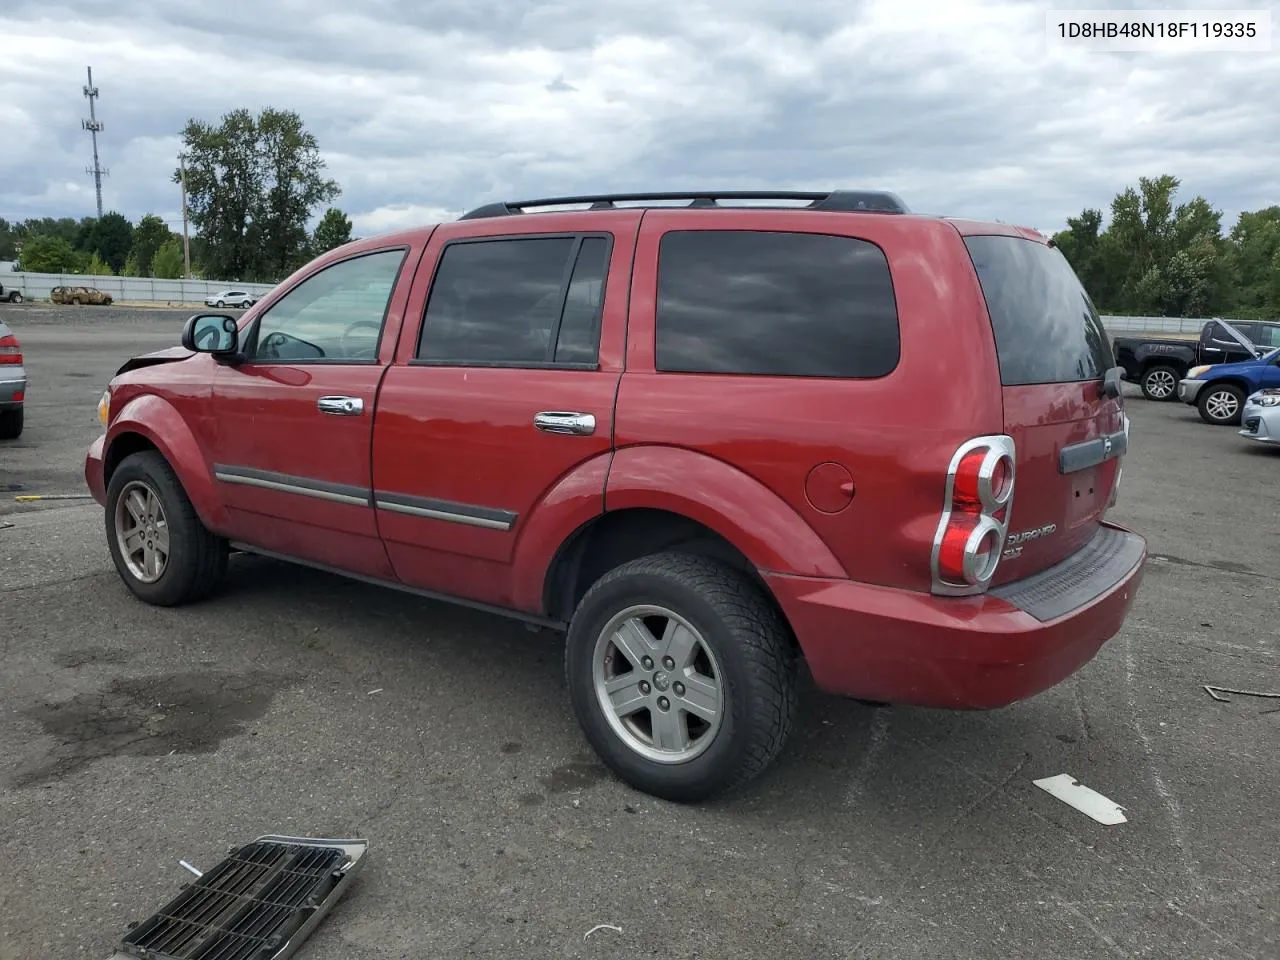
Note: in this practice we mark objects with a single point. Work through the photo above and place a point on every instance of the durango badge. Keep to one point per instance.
(1013, 543)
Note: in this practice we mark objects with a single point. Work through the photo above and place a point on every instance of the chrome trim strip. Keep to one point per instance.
(440, 512)
(1091, 453)
(284, 483)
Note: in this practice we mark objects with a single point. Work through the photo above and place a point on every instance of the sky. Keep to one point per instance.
(426, 108)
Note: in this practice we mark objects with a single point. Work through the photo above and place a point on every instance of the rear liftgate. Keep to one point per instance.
(260, 903)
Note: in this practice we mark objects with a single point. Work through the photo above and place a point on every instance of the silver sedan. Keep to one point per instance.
(13, 385)
(1260, 418)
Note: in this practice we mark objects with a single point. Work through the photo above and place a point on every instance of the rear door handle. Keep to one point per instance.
(341, 406)
(560, 421)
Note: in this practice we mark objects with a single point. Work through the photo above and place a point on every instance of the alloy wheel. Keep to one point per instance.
(1161, 384)
(658, 684)
(1222, 405)
(142, 531)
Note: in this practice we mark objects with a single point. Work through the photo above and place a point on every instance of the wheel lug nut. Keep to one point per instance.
(668, 663)
(648, 663)
(644, 687)
(664, 703)
(679, 689)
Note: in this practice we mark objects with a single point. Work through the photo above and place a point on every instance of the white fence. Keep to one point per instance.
(1174, 326)
(36, 286)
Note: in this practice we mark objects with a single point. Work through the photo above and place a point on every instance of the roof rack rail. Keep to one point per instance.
(857, 201)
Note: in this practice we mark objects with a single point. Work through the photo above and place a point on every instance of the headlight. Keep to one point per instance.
(1196, 371)
(1271, 400)
(104, 407)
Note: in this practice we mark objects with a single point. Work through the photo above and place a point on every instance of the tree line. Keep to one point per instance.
(253, 184)
(1158, 257)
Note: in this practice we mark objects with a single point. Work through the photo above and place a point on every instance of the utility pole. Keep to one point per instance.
(186, 242)
(94, 126)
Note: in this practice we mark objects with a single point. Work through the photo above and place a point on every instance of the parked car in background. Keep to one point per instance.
(1219, 390)
(13, 385)
(704, 441)
(1156, 364)
(1261, 416)
(79, 295)
(9, 294)
(231, 298)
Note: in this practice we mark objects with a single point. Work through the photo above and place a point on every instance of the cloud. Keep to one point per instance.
(426, 108)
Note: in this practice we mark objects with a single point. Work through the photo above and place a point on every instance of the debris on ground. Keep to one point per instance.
(1215, 691)
(262, 901)
(601, 926)
(1089, 802)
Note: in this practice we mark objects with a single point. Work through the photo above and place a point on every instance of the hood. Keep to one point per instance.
(1237, 336)
(167, 355)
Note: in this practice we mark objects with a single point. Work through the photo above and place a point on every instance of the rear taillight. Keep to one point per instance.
(975, 516)
(10, 352)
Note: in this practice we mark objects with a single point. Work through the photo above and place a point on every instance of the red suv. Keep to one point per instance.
(713, 442)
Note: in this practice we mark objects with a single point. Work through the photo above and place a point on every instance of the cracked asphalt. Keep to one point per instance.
(297, 702)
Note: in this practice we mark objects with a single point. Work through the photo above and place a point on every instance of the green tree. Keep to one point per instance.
(49, 254)
(1254, 243)
(252, 185)
(96, 267)
(131, 267)
(333, 230)
(8, 240)
(110, 239)
(167, 263)
(148, 237)
(68, 228)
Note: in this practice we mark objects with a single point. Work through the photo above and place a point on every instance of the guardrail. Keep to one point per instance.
(36, 286)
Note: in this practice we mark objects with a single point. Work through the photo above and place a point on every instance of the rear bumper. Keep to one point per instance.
(901, 646)
(13, 387)
(1189, 390)
(93, 470)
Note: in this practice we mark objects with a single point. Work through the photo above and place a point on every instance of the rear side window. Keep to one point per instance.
(516, 302)
(774, 304)
(1046, 327)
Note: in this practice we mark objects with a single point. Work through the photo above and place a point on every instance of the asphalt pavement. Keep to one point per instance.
(298, 702)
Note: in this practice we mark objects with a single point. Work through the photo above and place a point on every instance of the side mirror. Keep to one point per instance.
(211, 333)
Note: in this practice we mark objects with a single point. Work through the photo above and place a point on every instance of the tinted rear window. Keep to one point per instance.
(774, 304)
(1046, 327)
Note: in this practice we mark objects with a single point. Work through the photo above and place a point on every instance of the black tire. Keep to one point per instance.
(75, 301)
(1220, 404)
(15, 297)
(220, 305)
(1160, 383)
(197, 558)
(756, 660)
(11, 424)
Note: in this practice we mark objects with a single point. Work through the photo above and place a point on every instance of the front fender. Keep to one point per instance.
(156, 419)
(763, 526)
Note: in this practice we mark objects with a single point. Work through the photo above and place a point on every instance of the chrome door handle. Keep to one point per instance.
(559, 421)
(341, 406)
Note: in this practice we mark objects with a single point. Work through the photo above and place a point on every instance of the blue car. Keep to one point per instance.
(1218, 390)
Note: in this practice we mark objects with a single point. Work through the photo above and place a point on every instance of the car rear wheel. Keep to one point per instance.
(1221, 404)
(1160, 383)
(11, 424)
(682, 676)
(75, 301)
(161, 550)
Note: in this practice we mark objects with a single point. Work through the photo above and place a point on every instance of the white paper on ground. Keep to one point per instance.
(1089, 802)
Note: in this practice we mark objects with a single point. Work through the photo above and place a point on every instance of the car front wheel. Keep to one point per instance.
(1220, 404)
(161, 550)
(15, 297)
(682, 676)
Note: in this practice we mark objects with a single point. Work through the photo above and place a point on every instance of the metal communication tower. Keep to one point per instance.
(94, 125)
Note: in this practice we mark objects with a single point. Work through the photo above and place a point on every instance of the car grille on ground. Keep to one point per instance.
(1251, 424)
(248, 906)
